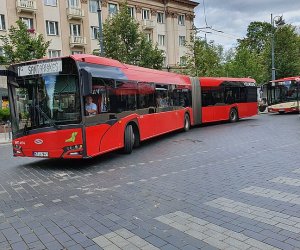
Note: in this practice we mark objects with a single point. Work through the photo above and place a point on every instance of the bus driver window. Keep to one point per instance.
(90, 107)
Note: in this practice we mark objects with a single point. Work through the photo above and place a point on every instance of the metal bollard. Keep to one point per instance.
(9, 130)
(4, 132)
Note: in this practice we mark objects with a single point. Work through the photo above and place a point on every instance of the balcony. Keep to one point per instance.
(147, 24)
(26, 6)
(75, 13)
(77, 41)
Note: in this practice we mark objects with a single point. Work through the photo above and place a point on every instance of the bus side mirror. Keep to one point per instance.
(86, 82)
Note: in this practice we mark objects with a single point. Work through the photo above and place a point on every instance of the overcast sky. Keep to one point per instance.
(233, 16)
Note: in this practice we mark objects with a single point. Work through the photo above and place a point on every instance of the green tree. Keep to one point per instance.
(287, 51)
(257, 37)
(124, 41)
(204, 58)
(253, 53)
(21, 45)
(245, 63)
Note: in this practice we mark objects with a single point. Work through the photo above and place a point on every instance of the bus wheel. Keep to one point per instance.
(136, 135)
(128, 139)
(187, 123)
(233, 115)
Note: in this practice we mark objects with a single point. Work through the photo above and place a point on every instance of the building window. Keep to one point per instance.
(161, 40)
(28, 22)
(52, 28)
(53, 53)
(145, 14)
(75, 29)
(2, 22)
(149, 37)
(181, 20)
(181, 40)
(182, 61)
(112, 9)
(74, 52)
(50, 2)
(93, 6)
(94, 32)
(160, 17)
(73, 4)
(131, 11)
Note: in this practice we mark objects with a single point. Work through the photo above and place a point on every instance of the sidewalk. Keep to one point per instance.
(4, 138)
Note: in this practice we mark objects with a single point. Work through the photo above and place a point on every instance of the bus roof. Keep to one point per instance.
(136, 73)
(291, 78)
(217, 81)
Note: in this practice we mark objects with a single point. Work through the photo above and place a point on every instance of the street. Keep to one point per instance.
(219, 186)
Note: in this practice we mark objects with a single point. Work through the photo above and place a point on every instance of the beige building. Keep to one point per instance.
(72, 25)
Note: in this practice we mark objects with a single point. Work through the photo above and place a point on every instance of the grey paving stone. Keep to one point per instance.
(19, 246)
(156, 241)
(45, 238)
(53, 245)
(190, 169)
(29, 238)
(278, 244)
(94, 247)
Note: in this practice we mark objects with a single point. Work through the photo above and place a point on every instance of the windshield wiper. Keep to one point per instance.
(51, 122)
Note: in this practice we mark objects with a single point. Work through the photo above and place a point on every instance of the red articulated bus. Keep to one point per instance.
(126, 105)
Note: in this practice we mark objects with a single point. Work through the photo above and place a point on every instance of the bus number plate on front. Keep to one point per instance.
(40, 154)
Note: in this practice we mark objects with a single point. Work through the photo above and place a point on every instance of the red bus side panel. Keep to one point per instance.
(247, 109)
(147, 125)
(168, 121)
(221, 113)
(93, 138)
(207, 114)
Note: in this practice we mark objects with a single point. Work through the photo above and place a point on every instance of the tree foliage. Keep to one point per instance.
(204, 58)
(124, 41)
(253, 53)
(20, 44)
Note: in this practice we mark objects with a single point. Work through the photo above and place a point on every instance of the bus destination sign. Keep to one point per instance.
(40, 68)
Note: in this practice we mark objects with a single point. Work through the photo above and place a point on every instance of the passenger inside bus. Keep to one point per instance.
(90, 107)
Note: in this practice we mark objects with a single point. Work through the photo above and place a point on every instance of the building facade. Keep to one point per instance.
(72, 25)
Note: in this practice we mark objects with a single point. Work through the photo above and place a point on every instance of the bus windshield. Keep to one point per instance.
(282, 92)
(49, 100)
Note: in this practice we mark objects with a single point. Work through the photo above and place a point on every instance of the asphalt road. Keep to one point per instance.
(219, 186)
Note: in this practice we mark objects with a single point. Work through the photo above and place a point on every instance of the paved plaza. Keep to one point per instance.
(219, 186)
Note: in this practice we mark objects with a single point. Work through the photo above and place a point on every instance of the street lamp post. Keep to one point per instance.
(101, 52)
(272, 48)
(272, 44)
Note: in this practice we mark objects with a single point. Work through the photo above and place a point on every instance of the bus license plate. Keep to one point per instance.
(40, 154)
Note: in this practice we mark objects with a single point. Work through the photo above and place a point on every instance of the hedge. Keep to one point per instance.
(4, 115)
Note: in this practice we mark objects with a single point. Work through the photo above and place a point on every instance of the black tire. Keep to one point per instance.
(187, 123)
(233, 115)
(128, 139)
(281, 112)
(262, 108)
(136, 135)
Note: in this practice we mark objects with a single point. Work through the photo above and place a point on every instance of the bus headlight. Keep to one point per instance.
(17, 150)
(73, 148)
